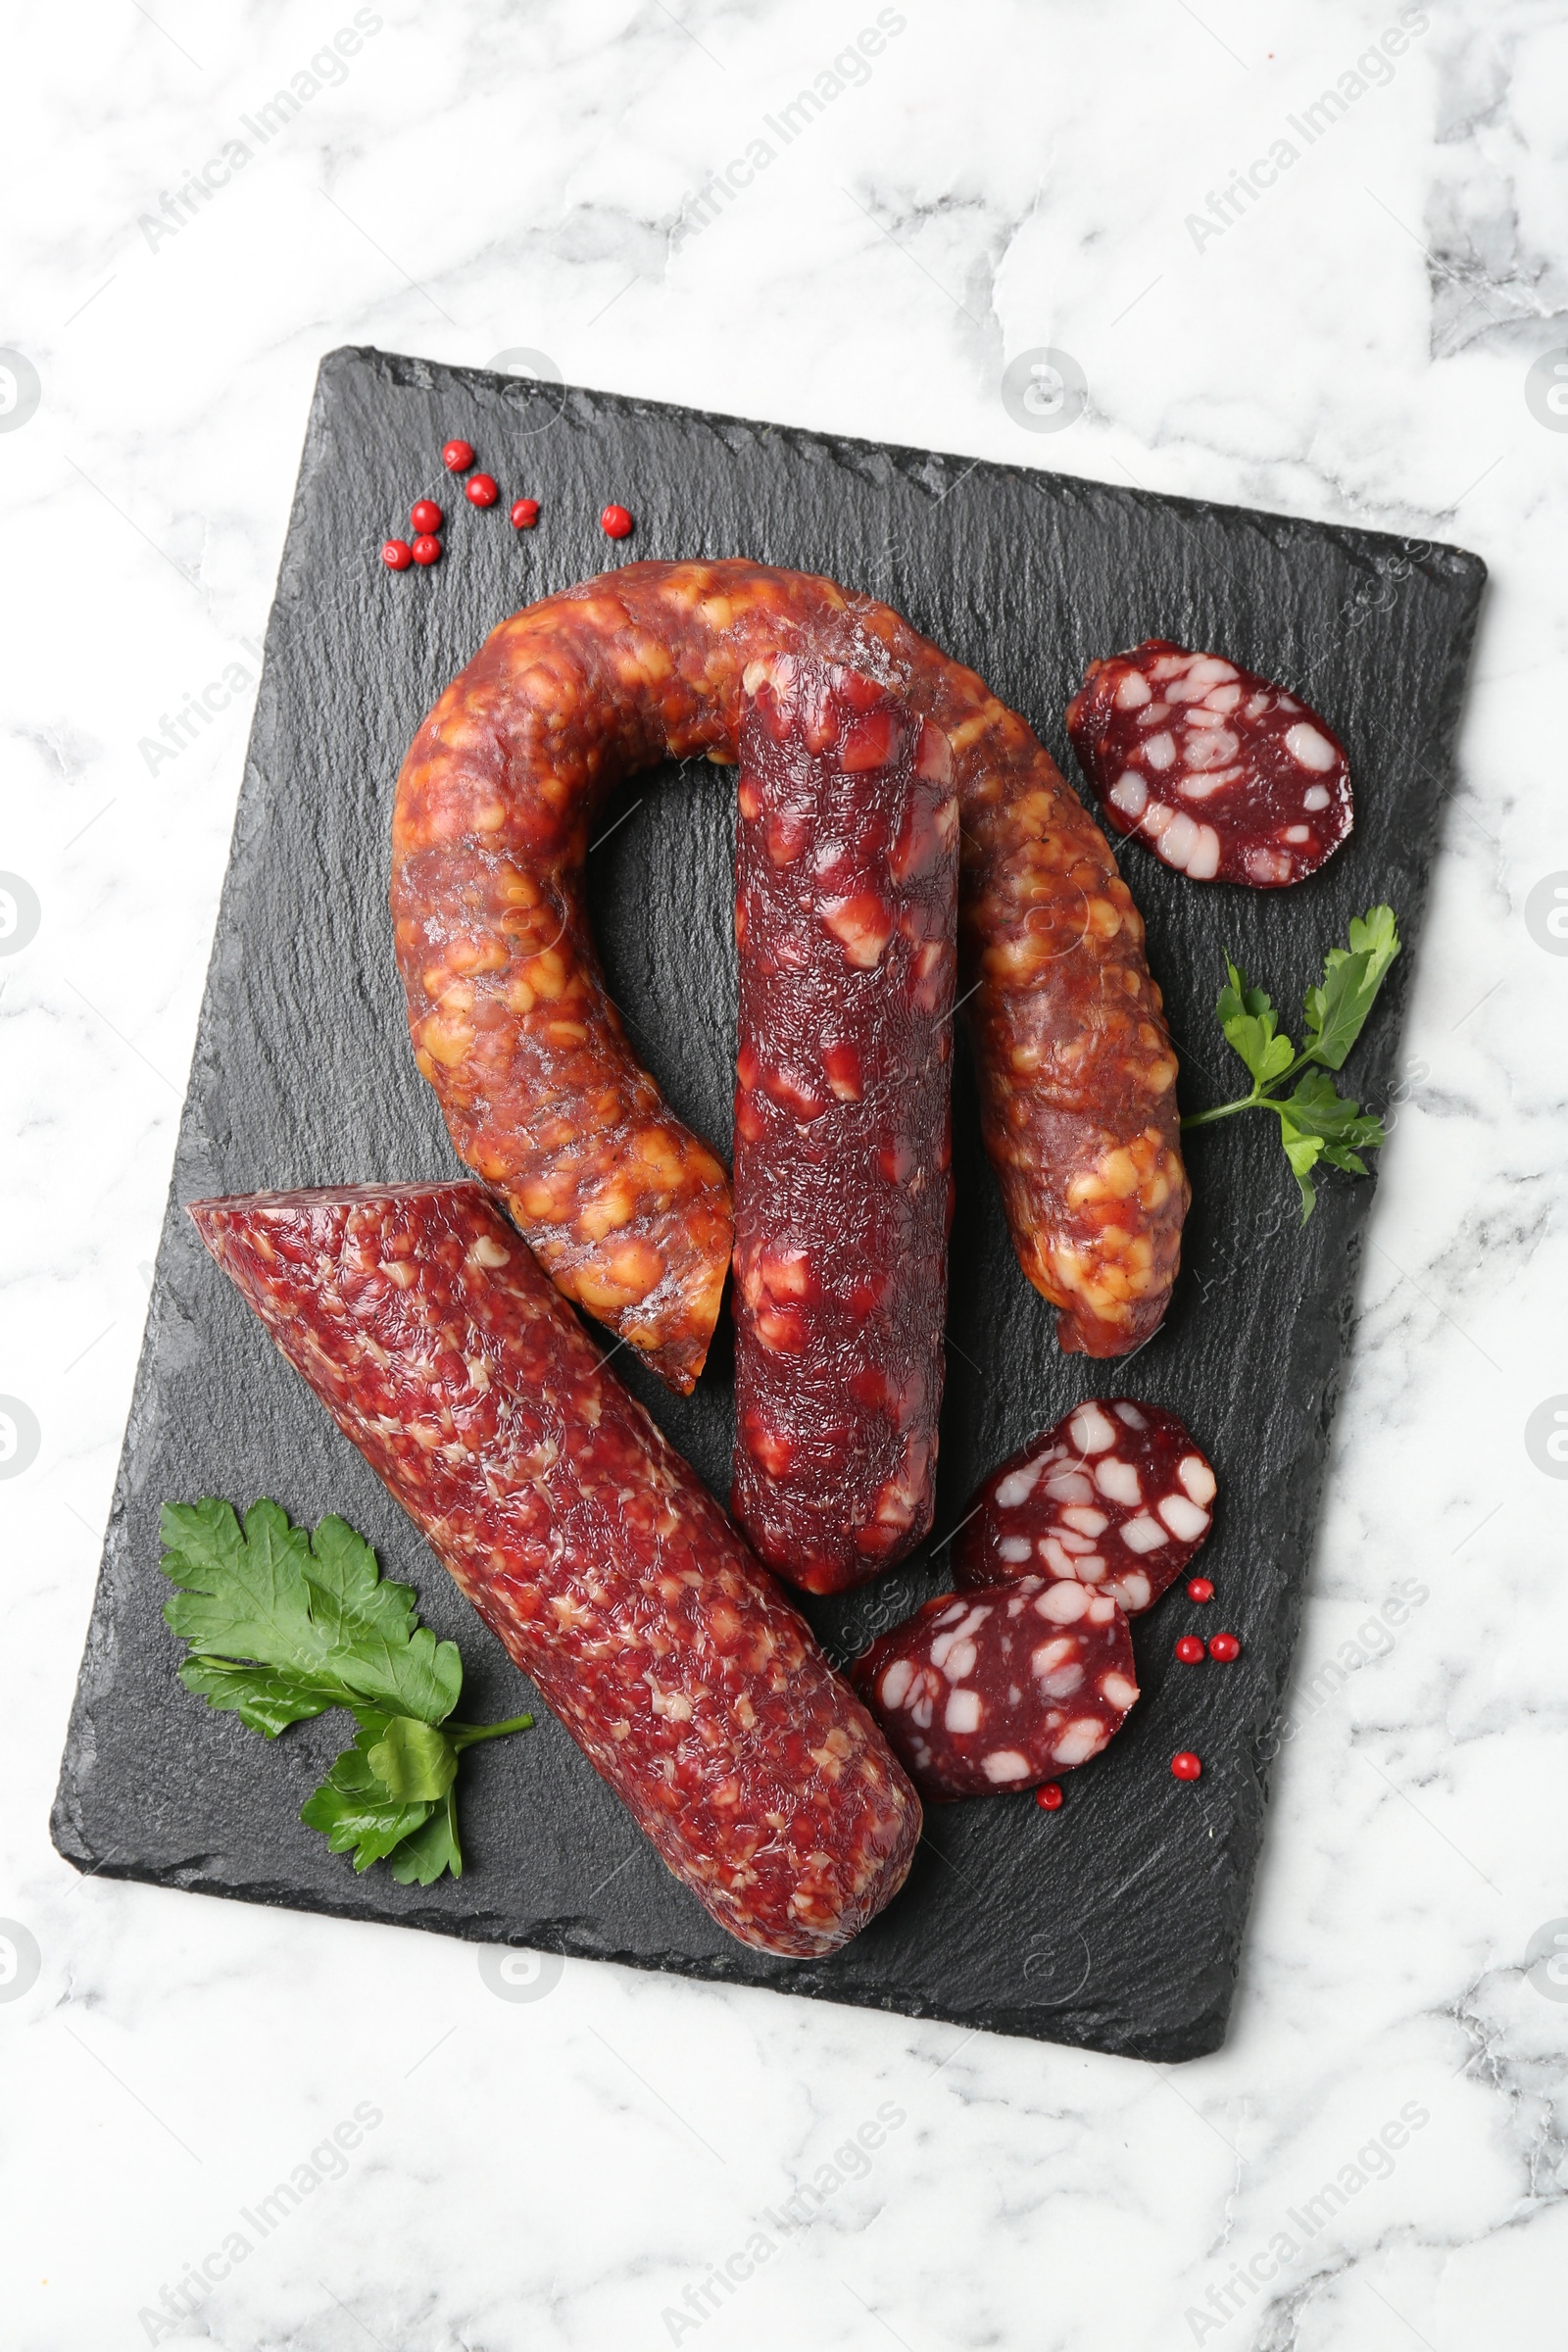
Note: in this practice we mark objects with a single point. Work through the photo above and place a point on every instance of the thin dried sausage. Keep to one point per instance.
(425, 1327)
(628, 1211)
(846, 907)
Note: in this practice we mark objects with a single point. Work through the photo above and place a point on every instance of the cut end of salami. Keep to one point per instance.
(1115, 1497)
(1223, 774)
(846, 922)
(423, 1323)
(980, 1693)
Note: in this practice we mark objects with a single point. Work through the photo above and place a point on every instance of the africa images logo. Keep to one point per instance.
(327, 69)
(20, 390)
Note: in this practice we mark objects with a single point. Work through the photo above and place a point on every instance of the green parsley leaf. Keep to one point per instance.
(1250, 1022)
(1336, 1012)
(1302, 1152)
(421, 1859)
(358, 1812)
(415, 1761)
(264, 1701)
(1317, 1123)
(285, 1625)
(1316, 1107)
(313, 1608)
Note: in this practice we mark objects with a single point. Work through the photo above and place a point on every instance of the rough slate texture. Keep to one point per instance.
(1117, 1922)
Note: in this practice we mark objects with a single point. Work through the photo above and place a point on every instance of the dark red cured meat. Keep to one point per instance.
(846, 921)
(1221, 774)
(626, 1210)
(1116, 1495)
(424, 1326)
(980, 1692)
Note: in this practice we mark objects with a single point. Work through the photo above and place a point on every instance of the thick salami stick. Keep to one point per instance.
(586, 1544)
(1226, 777)
(628, 1210)
(981, 1693)
(845, 913)
(1115, 1495)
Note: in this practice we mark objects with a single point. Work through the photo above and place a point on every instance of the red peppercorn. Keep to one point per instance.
(1199, 1588)
(425, 514)
(526, 512)
(1190, 1650)
(1224, 1646)
(1048, 1796)
(1186, 1766)
(426, 548)
(458, 456)
(482, 490)
(615, 523)
(397, 555)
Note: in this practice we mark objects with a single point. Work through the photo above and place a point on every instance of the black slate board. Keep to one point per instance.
(1116, 1923)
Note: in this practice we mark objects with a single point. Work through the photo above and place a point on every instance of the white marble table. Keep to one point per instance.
(1348, 333)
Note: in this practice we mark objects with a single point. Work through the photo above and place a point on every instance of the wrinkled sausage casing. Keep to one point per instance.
(628, 1210)
(845, 915)
(614, 1580)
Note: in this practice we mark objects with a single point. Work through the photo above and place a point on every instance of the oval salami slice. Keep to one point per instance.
(1116, 1495)
(1221, 774)
(983, 1692)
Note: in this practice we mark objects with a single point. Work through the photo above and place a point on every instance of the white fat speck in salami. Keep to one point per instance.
(1083, 1737)
(896, 1681)
(1184, 1519)
(1033, 1699)
(1269, 777)
(1021, 1484)
(1197, 1478)
(1070, 1485)
(1118, 1480)
(1128, 1503)
(1090, 1431)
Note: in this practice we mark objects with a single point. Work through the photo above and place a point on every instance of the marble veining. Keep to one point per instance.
(255, 2130)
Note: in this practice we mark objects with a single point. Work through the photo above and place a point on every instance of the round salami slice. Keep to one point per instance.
(1223, 774)
(983, 1692)
(1116, 1496)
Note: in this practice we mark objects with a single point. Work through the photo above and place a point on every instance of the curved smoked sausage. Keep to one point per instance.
(626, 1210)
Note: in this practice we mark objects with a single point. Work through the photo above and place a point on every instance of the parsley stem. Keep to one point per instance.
(1226, 1110)
(1260, 1097)
(468, 1735)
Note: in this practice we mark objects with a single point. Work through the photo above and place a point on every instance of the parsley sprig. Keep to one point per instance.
(283, 1626)
(1316, 1121)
